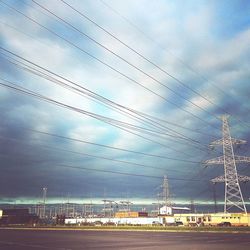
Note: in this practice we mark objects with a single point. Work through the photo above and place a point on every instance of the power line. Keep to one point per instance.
(109, 147)
(214, 84)
(148, 118)
(121, 125)
(129, 174)
(111, 102)
(102, 98)
(151, 132)
(103, 171)
(135, 51)
(84, 154)
(90, 114)
(142, 56)
(98, 157)
(100, 170)
(106, 64)
(125, 173)
(132, 65)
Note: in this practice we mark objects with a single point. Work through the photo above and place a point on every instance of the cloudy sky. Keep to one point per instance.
(103, 98)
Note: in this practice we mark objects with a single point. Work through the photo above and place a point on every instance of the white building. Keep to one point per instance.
(165, 210)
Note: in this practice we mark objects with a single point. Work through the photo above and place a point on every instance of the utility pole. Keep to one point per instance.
(233, 194)
(159, 204)
(44, 202)
(215, 199)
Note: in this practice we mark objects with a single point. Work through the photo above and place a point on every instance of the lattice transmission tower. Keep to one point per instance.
(233, 194)
(165, 193)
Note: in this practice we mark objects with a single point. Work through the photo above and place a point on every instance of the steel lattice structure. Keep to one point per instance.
(233, 194)
(165, 192)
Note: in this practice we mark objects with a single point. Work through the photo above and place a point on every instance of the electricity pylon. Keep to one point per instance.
(165, 192)
(233, 194)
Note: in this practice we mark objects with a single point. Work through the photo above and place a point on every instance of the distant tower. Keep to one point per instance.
(233, 194)
(166, 203)
(192, 207)
(165, 192)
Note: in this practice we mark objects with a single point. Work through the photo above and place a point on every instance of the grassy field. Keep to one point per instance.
(171, 228)
(137, 228)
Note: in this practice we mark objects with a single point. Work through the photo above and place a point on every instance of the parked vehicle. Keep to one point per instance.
(98, 223)
(109, 223)
(224, 224)
(156, 223)
(178, 223)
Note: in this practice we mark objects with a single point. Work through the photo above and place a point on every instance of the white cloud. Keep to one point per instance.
(225, 54)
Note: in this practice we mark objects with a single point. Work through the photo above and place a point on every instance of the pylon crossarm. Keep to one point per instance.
(243, 178)
(216, 143)
(233, 140)
(241, 159)
(218, 179)
(215, 161)
(238, 141)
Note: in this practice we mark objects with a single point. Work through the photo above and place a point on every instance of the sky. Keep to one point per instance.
(101, 99)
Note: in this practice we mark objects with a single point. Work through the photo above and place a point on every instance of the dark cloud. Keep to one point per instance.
(31, 160)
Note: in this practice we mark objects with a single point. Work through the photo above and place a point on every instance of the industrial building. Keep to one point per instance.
(194, 219)
(17, 216)
(213, 219)
(122, 220)
(130, 214)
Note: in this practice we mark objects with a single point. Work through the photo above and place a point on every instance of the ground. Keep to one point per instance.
(16, 239)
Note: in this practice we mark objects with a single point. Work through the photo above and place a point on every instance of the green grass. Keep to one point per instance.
(138, 228)
(172, 228)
